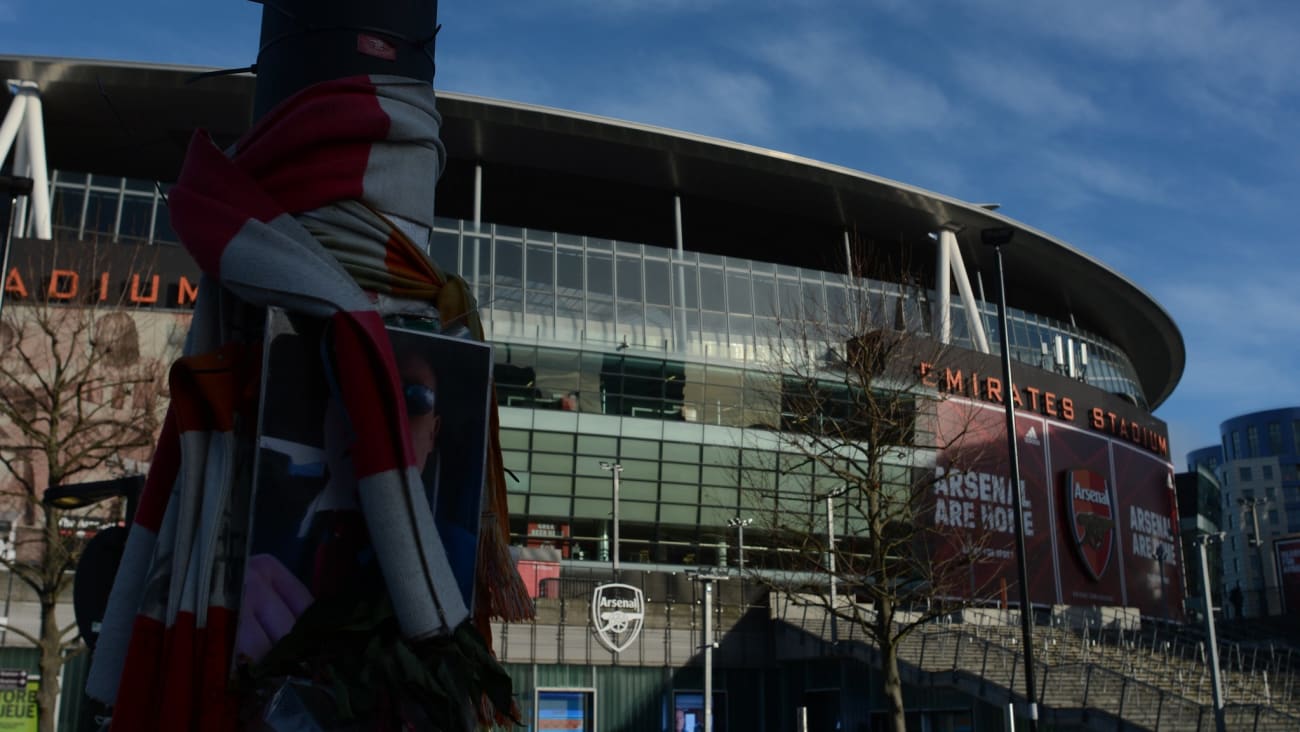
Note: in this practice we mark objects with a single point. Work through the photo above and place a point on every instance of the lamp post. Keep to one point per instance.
(739, 525)
(709, 644)
(1212, 644)
(996, 238)
(615, 469)
(1257, 544)
(830, 558)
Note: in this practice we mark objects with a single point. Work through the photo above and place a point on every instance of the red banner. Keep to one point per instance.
(973, 508)
(1101, 520)
(1287, 554)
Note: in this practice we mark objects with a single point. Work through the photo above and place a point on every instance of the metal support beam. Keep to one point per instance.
(23, 130)
(679, 258)
(478, 225)
(974, 320)
(943, 283)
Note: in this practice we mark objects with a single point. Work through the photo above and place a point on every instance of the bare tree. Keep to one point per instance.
(82, 390)
(859, 435)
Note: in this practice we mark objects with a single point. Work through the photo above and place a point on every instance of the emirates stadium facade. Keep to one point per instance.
(632, 281)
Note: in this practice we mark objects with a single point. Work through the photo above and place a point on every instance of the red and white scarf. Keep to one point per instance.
(169, 629)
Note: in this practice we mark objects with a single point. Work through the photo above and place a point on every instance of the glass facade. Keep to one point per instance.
(541, 285)
(609, 350)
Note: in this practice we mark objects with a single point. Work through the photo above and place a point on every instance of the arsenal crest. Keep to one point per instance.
(617, 614)
(1092, 521)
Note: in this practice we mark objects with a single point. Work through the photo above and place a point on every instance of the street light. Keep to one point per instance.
(739, 525)
(615, 469)
(830, 557)
(996, 238)
(1257, 543)
(709, 644)
(1212, 644)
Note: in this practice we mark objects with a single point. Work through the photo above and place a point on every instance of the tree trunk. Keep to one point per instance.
(51, 639)
(892, 681)
(51, 662)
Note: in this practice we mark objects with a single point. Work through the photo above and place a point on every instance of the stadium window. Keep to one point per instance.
(1274, 438)
(1236, 445)
(1252, 440)
(1244, 473)
(1266, 473)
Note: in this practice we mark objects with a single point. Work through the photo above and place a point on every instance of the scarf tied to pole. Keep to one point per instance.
(306, 214)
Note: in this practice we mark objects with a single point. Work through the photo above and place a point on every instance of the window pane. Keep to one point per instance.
(764, 297)
(66, 207)
(657, 283)
(136, 214)
(509, 263)
(738, 293)
(600, 275)
(711, 290)
(541, 259)
(569, 269)
(445, 250)
(629, 279)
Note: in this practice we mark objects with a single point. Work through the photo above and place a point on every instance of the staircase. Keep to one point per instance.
(1142, 679)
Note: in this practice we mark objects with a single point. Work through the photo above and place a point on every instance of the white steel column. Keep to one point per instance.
(13, 121)
(478, 223)
(21, 167)
(679, 256)
(36, 158)
(24, 126)
(942, 284)
(968, 301)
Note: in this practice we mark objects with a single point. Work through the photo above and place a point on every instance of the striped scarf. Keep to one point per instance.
(291, 219)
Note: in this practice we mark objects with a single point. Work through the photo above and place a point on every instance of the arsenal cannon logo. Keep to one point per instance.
(1092, 521)
(617, 613)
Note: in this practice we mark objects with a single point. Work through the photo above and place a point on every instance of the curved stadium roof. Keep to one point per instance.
(567, 171)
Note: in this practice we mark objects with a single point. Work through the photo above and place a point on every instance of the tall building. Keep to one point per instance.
(633, 282)
(1201, 511)
(1256, 464)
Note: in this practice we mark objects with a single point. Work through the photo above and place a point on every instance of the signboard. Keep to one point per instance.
(18, 709)
(617, 614)
(1287, 554)
(1101, 518)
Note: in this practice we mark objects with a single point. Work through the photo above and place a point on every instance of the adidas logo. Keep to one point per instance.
(1031, 436)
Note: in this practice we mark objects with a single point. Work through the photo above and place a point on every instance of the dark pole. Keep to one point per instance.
(308, 41)
(996, 238)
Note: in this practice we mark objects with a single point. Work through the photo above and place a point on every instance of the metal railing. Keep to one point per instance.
(1107, 679)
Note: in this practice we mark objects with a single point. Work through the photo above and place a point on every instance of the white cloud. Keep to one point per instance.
(1026, 89)
(496, 78)
(837, 85)
(1091, 174)
(701, 98)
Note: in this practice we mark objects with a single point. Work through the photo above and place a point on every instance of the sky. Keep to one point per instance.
(1159, 136)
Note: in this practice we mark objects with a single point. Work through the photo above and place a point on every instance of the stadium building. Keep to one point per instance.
(633, 281)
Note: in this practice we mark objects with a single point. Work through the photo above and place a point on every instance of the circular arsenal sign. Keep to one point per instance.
(1092, 520)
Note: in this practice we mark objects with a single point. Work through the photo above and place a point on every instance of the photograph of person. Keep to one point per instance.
(307, 536)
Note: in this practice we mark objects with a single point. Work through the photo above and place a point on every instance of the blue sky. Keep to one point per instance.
(1156, 135)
